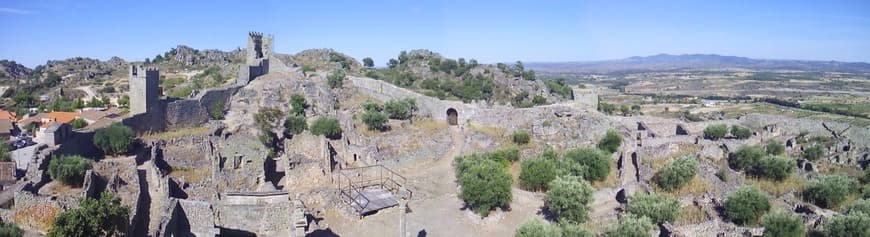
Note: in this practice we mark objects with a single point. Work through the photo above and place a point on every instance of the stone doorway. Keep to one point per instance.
(452, 117)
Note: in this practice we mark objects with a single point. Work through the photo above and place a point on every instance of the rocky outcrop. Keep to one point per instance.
(187, 56)
(13, 70)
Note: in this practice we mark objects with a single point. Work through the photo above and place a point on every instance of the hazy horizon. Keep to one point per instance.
(547, 31)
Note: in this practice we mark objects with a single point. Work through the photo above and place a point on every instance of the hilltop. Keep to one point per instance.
(666, 62)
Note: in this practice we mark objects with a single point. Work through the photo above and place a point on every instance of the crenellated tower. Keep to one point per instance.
(144, 82)
(257, 55)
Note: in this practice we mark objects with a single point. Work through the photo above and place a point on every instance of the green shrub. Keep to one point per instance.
(539, 100)
(78, 123)
(559, 87)
(537, 228)
(657, 207)
(715, 131)
(568, 198)
(740, 132)
(9, 229)
(536, 173)
(631, 226)
(572, 230)
(594, 163)
(94, 217)
(829, 190)
(217, 110)
(326, 126)
(336, 78)
(4, 151)
(861, 205)
(294, 124)
(782, 224)
(774, 147)
(484, 184)
(610, 142)
(306, 69)
(504, 155)
(746, 205)
(813, 152)
(374, 120)
(774, 167)
(400, 109)
(854, 224)
(746, 157)
(676, 173)
(114, 139)
(865, 192)
(521, 137)
(298, 104)
(68, 169)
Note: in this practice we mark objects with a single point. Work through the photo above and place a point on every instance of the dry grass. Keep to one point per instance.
(683, 149)
(180, 132)
(694, 186)
(38, 217)
(428, 125)
(612, 179)
(691, 214)
(495, 132)
(192, 175)
(776, 188)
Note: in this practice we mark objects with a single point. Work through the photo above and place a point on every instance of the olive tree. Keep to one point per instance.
(536, 173)
(774, 147)
(9, 229)
(829, 190)
(848, 225)
(715, 131)
(813, 152)
(610, 142)
(537, 228)
(740, 132)
(94, 217)
(590, 163)
(782, 224)
(676, 173)
(631, 226)
(659, 208)
(68, 169)
(114, 139)
(326, 126)
(746, 157)
(774, 167)
(746, 205)
(484, 184)
(568, 199)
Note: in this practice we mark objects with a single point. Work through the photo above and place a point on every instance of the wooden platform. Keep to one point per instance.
(373, 199)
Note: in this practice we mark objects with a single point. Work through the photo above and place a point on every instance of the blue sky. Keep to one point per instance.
(490, 31)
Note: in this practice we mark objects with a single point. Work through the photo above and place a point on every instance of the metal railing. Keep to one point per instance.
(352, 181)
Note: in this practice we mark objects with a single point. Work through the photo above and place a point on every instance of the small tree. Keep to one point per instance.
(740, 132)
(484, 184)
(326, 126)
(298, 104)
(745, 205)
(68, 169)
(746, 157)
(853, 224)
(610, 142)
(573, 230)
(294, 124)
(568, 197)
(368, 62)
(306, 69)
(400, 109)
(774, 147)
(336, 78)
(782, 224)
(676, 173)
(631, 226)
(521, 137)
(829, 190)
(813, 152)
(536, 173)
(114, 139)
(774, 167)
(715, 131)
(217, 110)
(78, 123)
(657, 207)
(537, 228)
(594, 162)
(4, 151)
(859, 206)
(94, 217)
(9, 229)
(374, 120)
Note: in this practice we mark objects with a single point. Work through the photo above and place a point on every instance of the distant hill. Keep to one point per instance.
(667, 62)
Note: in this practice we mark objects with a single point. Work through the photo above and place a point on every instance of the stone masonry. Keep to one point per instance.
(143, 89)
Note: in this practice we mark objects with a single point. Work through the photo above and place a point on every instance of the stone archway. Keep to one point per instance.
(452, 117)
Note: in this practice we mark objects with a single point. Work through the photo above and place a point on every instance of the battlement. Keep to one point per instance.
(254, 34)
(135, 70)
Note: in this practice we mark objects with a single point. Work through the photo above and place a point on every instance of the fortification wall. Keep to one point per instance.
(185, 113)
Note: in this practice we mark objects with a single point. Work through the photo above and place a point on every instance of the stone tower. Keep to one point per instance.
(257, 56)
(143, 89)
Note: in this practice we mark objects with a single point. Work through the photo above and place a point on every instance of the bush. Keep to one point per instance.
(374, 120)
(4, 151)
(400, 109)
(306, 69)
(9, 229)
(537, 228)
(782, 224)
(326, 126)
(829, 190)
(676, 173)
(78, 123)
(114, 139)
(298, 104)
(859, 206)
(740, 132)
(559, 87)
(568, 197)
(774, 147)
(217, 110)
(336, 78)
(536, 173)
(631, 226)
(484, 184)
(865, 191)
(657, 207)
(610, 142)
(813, 152)
(94, 217)
(571, 230)
(521, 137)
(504, 156)
(590, 163)
(746, 157)
(715, 131)
(854, 224)
(774, 167)
(745, 205)
(294, 124)
(68, 169)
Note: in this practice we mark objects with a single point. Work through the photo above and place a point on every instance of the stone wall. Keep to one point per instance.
(185, 113)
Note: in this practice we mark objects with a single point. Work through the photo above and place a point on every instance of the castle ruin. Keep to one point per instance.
(258, 52)
(144, 83)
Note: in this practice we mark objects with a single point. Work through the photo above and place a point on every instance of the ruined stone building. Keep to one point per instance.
(257, 56)
(144, 82)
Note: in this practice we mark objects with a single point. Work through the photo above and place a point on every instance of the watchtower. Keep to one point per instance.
(257, 56)
(144, 82)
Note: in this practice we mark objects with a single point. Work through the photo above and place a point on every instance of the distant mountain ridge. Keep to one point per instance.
(665, 62)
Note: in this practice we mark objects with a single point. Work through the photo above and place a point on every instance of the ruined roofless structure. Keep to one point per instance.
(144, 82)
(257, 56)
